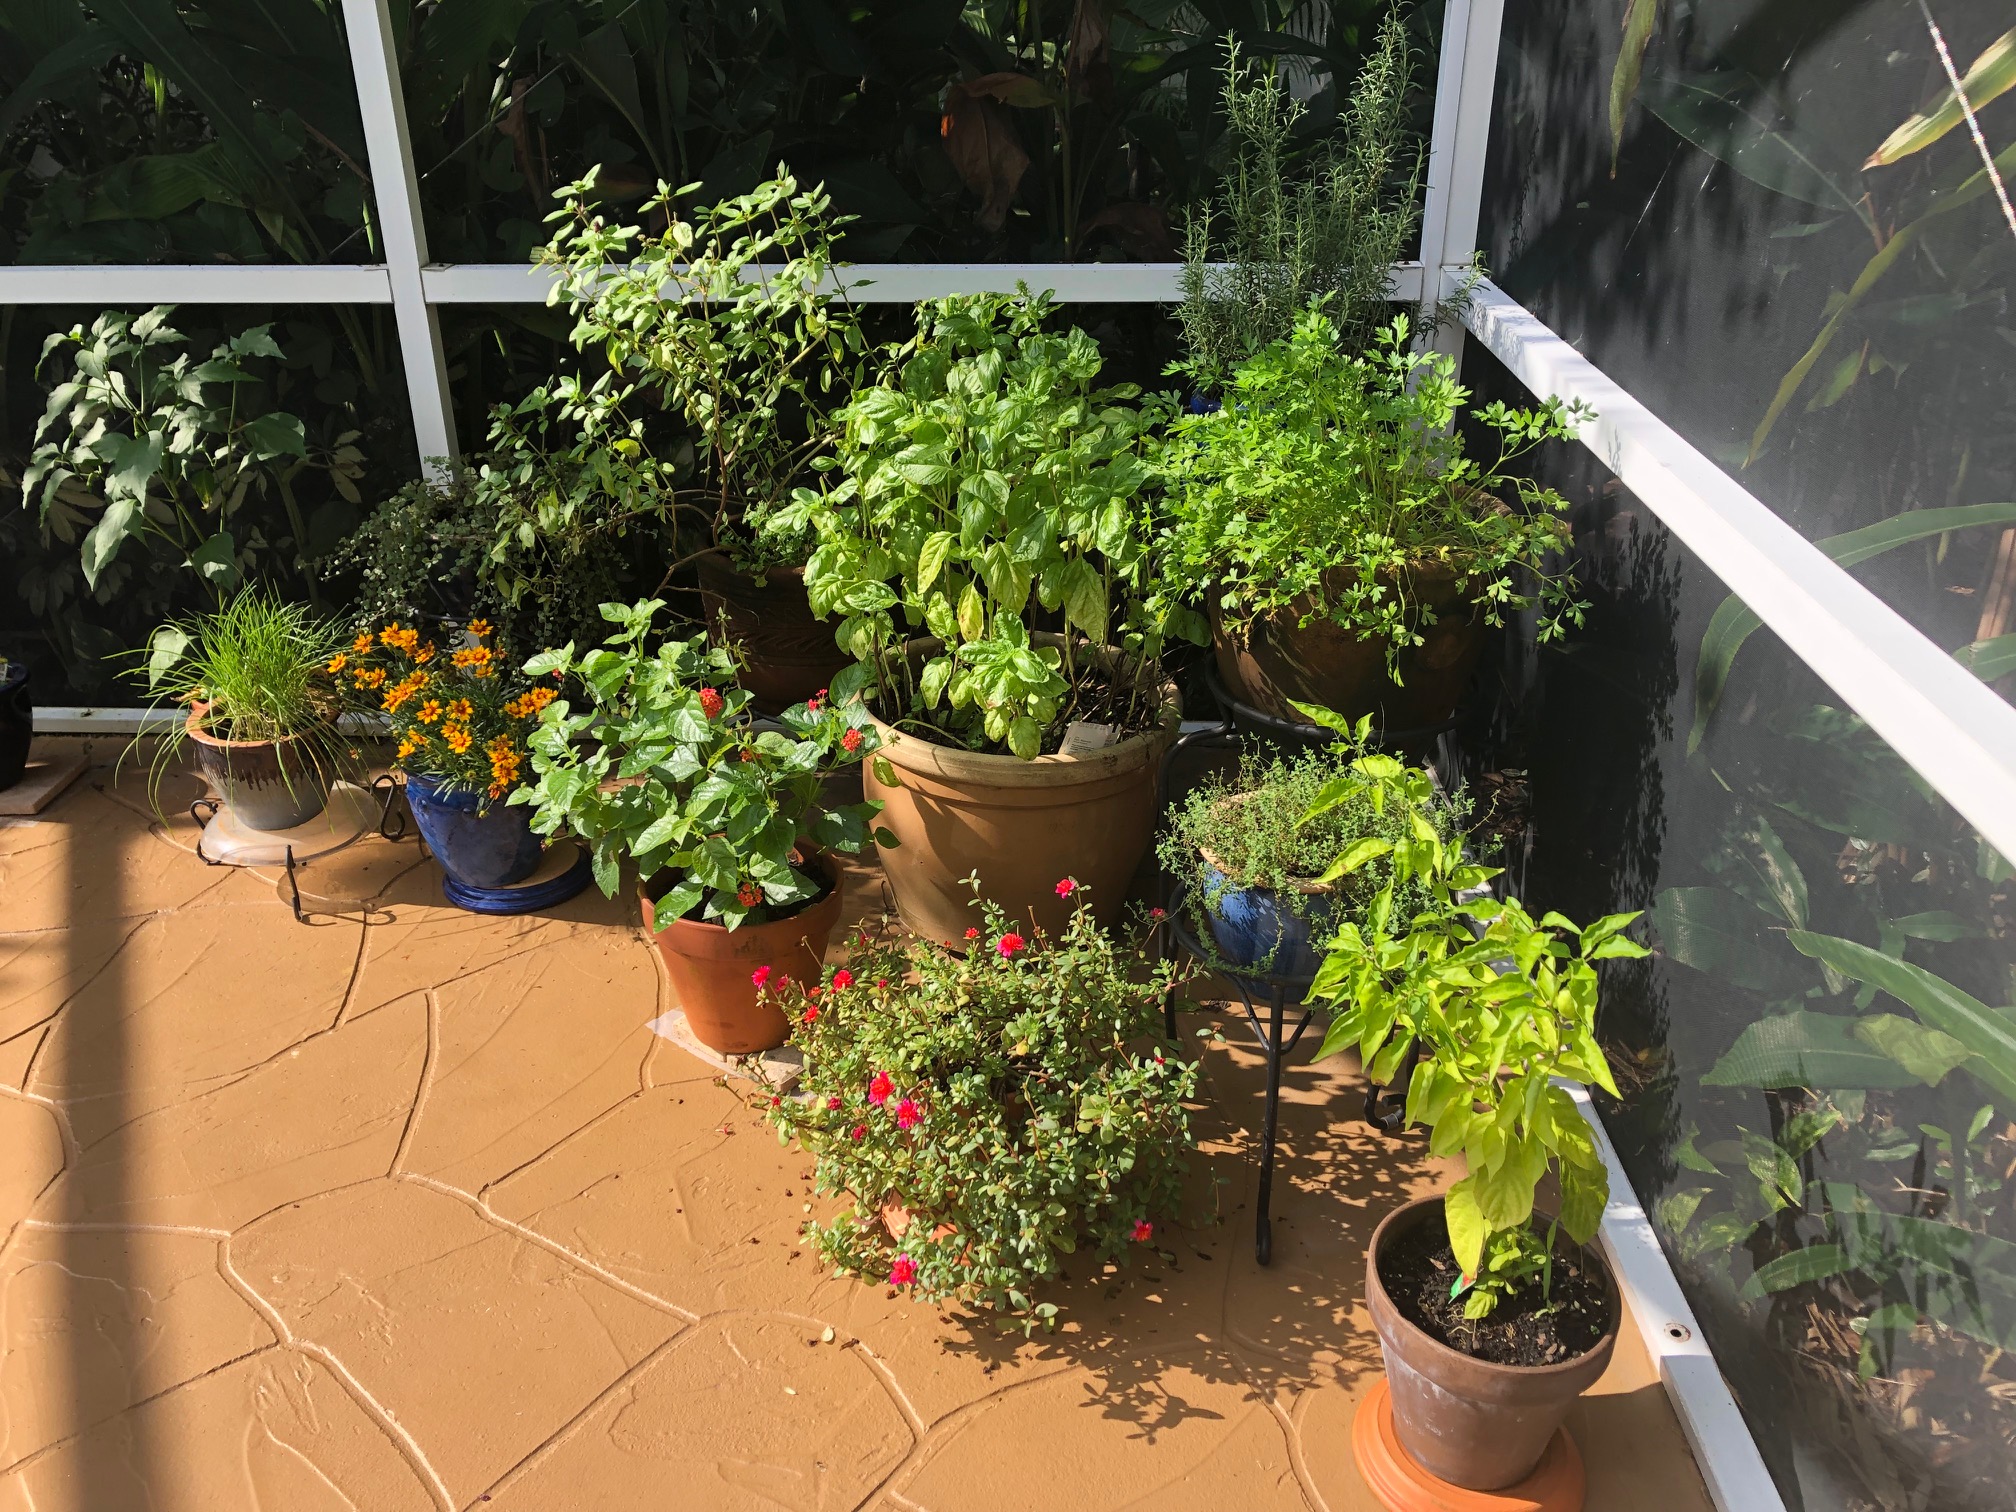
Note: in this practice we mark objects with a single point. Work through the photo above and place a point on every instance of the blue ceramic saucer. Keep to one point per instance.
(556, 880)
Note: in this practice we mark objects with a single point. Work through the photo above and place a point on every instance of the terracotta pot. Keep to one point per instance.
(1323, 663)
(710, 964)
(1023, 825)
(268, 784)
(1470, 1422)
(790, 655)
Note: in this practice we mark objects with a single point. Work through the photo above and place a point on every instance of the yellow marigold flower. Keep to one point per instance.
(409, 743)
(429, 711)
(390, 634)
(461, 711)
(425, 654)
(457, 738)
(338, 662)
(477, 657)
(479, 628)
(373, 678)
(406, 688)
(361, 645)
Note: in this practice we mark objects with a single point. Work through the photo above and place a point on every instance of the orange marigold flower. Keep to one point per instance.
(457, 738)
(409, 743)
(429, 711)
(390, 634)
(425, 654)
(405, 688)
(338, 662)
(373, 678)
(461, 711)
(473, 656)
(479, 628)
(361, 645)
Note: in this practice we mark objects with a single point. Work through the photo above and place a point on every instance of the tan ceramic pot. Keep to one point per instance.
(1022, 825)
(788, 654)
(1470, 1422)
(1279, 659)
(267, 784)
(710, 967)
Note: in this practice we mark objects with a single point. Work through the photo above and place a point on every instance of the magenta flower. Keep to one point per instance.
(908, 1114)
(760, 976)
(1010, 944)
(858, 1133)
(903, 1271)
(1143, 1231)
(1067, 887)
(833, 1105)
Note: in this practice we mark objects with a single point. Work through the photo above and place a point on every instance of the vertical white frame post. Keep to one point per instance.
(395, 187)
(1465, 83)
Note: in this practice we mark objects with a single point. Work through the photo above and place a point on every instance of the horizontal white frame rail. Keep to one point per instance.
(1953, 729)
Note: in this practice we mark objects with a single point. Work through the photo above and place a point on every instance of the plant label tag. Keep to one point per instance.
(1461, 1285)
(1081, 738)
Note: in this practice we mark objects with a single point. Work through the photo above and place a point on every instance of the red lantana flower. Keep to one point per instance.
(842, 979)
(1010, 944)
(908, 1114)
(902, 1271)
(851, 741)
(711, 702)
(760, 975)
(748, 895)
(880, 1087)
(972, 934)
(1067, 887)
(1143, 1231)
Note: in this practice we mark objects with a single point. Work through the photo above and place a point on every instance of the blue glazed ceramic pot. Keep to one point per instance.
(1255, 927)
(477, 846)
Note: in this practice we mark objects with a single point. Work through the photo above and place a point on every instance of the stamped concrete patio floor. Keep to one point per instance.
(408, 1209)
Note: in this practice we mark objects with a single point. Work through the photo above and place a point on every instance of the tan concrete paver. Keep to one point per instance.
(408, 1208)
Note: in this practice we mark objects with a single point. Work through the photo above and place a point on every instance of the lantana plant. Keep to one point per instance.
(664, 767)
(990, 1114)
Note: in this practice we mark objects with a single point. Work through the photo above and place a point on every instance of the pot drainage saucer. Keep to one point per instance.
(1556, 1484)
(564, 872)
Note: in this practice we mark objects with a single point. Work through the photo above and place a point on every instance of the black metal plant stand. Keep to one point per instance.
(1278, 1036)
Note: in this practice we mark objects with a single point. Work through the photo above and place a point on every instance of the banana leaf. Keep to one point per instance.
(1640, 16)
(1713, 930)
(1818, 1051)
(1710, 111)
(1987, 77)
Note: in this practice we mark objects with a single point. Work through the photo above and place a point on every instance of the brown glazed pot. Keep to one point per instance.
(267, 784)
(1323, 663)
(1470, 1422)
(790, 655)
(710, 966)
(1023, 825)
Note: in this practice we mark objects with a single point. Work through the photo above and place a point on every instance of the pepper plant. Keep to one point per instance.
(988, 481)
(1499, 1005)
(991, 1113)
(170, 447)
(662, 767)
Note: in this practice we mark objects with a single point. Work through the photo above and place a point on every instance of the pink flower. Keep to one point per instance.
(1143, 1231)
(971, 934)
(1156, 913)
(858, 1133)
(880, 1088)
(1010, 944)
(832, 1105)
(711, 702)
(908, 1114)
(761, 976)
(1067, 887)
(843, 979)
(811, 1016)
(903, 1271)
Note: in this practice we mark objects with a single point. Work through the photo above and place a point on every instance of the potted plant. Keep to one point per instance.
(727, 823)
(1254, 877)
(1346, 549)
(989, 1114)
(989, 490)
(735, 324)
(460, 721)
(1489, 1325)
(17, 720)
(261, 705)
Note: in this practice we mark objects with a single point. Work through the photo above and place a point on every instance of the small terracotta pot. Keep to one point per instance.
(1323, 663)
(268, 784)
(710, 966)
(1022, 825)
(789, 654)
(1467, 1421)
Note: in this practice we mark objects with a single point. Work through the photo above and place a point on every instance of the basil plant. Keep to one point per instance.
(988, 481)
(1500, 1005)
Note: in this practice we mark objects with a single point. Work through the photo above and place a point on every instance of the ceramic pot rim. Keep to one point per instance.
(912, 753)
(193, 727)
(818, 861)
(1308, 887)
(1406, 1216)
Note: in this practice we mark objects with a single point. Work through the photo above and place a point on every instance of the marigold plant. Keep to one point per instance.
(989, 1114)
(457, 714)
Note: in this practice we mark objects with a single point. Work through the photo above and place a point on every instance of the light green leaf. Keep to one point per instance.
(1820, 1051)
(1466, 1225)
(1640, 16)
(120, 520)
(1585, 1193)
(1085, 599)
(972, 614)
(1989, 659)
(1990, 75)
(937, 547)
(1816, 1262)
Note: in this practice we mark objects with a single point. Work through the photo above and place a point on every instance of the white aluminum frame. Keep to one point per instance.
(1954, 730)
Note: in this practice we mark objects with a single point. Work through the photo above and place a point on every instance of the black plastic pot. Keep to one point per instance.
(17, 723)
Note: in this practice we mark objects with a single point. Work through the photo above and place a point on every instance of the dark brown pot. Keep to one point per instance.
(1022, 825)
(1322, 663)
(710, 967)
(1470, 1422)
(790, 654)
(267, 784)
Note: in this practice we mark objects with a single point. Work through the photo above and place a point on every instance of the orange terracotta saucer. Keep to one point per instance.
(1556, 1484)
